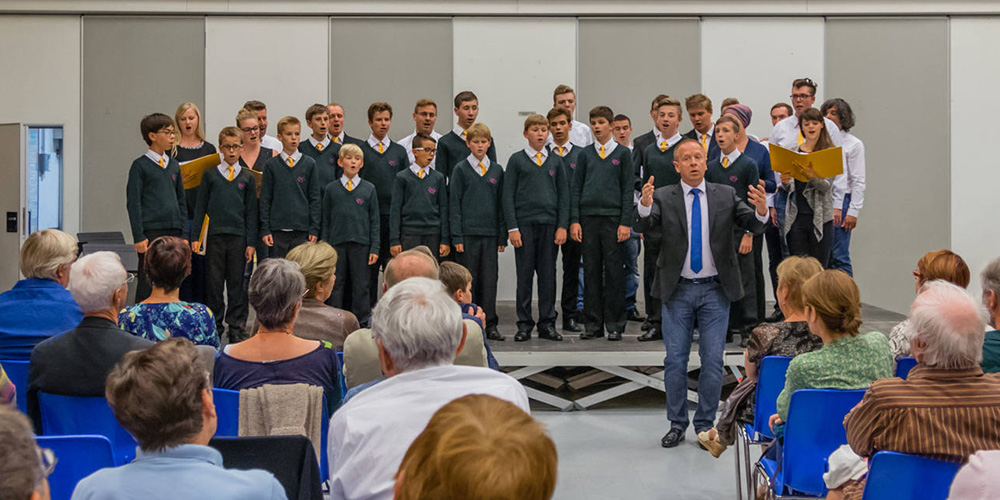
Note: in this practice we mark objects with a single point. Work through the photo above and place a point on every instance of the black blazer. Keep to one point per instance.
(726, 212)
(714, 153)
(78, 362)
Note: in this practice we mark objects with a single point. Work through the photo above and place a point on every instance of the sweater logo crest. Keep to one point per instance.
(240, 185)
(173, 177)
(572, 165)
(733, 178)
(493, 180)
(431, 190)
(301, 179)
(392, 163)
(552, 173)
(614, 161)
(361, 201)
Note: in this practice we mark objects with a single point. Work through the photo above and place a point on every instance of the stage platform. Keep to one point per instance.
(556, 372)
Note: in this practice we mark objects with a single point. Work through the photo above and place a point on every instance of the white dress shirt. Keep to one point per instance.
(608, 147)
(325, 142)
(407, 143)
(224, 169)
(373, 142)
(732, 156)
(370, 434)
(152, 155)
(567, 147)
(475, 164)
(786, 133)
(417, 168)
(296, 156)
(579, 134)
(354, 182)
(852, 181)
(708, 136)
(271, 142)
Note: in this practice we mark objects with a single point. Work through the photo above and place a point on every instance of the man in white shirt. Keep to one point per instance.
(418, 329)
(786, 133)
(579, 134)
(424, 116)
(260, 109)
(848, 187)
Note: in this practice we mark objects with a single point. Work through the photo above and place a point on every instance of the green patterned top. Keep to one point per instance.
(846, 363)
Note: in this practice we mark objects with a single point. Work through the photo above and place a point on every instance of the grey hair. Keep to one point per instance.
(418, 323)
(951, 323)
(989, 277)
(20, 469)
(94, 278)
(275, 288)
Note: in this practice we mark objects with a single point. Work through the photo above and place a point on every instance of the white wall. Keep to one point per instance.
(41, 85)
(975, 70)
(281, 61)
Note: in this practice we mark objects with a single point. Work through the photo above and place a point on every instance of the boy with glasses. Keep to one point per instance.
(419, 212)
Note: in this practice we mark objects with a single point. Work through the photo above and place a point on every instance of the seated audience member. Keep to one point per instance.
(847, 360)
(318, 321)
(464, 446)
(39, 306)
(790, 337)
(946, 408)
(163, 398)
(78, 362)
(457, 282)
(274, 355)
(978, 479)
(24, 467)
(990, 279)
(939, 265)
(418, 329)
(8, 392)
(164, 314)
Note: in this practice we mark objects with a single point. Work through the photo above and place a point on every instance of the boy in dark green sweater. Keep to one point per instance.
(478, 231)
(601, 219)
(419, 212)
(536, 210)
(228, 197)
(351, 226)
(289, 194)
(452, 148)
(154, 194)
(319, 147)
(560, 125)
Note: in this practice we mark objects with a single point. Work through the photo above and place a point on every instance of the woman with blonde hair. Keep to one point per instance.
(191, 145)
(938, 265)
(317, 320)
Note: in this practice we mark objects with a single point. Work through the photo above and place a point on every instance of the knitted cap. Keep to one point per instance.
(741, 112)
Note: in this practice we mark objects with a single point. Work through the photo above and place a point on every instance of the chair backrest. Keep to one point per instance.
(17, 372)
(903, 477)
(815, 428)
(227, 409)
(340, 374)
(904, 365)
(79, 457)
(770, 382)
(63, 415)
(289, 458)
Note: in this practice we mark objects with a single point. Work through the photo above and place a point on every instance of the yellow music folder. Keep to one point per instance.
(203, 237)
(826, 163)
(258, 177)
(191, 171)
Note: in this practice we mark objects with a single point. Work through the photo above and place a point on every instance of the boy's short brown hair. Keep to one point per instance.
(154, 123)
(378, 107)
(230, 131)
(421, 140)
(555, 112)
(454, 276)
(351, 151)
(602, 112)
(698, 101)
(478, 130)
(287, 121)
(622, 118)
(669, 102)
(805, 82)
(254, 105)
(424, 102)
(562, 89)
(655, 105)
(535, 119)
(463, 97)
(729, 101)
(316, 109)
(727, 118)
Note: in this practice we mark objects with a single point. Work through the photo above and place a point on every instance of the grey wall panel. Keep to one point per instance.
(131, 67)
(894, 73)
(625, 63)
(414, 62)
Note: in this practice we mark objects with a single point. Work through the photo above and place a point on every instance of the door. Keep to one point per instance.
(11, 153)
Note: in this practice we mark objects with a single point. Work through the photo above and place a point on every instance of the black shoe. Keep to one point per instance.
(570, 324)
(549, 333)
(588, 335)
(522, 335)
(652, 334)
(613, 336)
(646, 325)
(493, 334)
(775, 317)
(672, 438)
(633, 315)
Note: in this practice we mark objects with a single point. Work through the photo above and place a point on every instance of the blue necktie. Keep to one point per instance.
(696, 232)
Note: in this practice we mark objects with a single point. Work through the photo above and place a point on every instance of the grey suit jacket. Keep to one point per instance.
(726, 212)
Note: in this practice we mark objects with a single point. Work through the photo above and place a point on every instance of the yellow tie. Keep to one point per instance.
(336, 139)
(561, 150)
(290, 162)
(663, 146)
(602, 151)
(350, 185)
(380, 148)
(725, 163)
(161, 162)
(463, 134)
(538, 159)
(420, 173)
(704, 142)
(801, 138)
(319, 146)
(482, 168)
(229, 173)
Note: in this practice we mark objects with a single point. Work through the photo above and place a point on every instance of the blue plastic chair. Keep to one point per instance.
(17, 372)
(815, 428)
(340, 374)
(904, 477)
(770, 382)
(227, 409)
(78, 457)
(903, 366)
(69, 415)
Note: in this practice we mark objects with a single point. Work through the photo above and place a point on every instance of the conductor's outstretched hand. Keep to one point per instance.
(647, 193)
(758, 198)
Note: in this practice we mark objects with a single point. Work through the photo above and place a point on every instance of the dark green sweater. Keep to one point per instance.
(351, 216)
(570, 161)
(381, 170)
(326, 161)
(660, 165)
(475, 202)
(290, 196)
(419, 206)
(603, 187)
(535, 194)
(154, 197)
(231, 206)
(741, 174)
(452, 149)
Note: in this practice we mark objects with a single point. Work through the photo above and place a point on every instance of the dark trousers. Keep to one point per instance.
(432, 241)
(195, 286)
(802, 241)
(649, 256)
(481, 259)
(776, 247)
(226, 258)
(604, 274)
(285, 241)
(572, 253)
(142, 287)
(537, 255)
(744, 312)
(383, 259)
(350, 290)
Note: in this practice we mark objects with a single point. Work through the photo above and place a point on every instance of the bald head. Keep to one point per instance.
(410, 264)
(946, 327)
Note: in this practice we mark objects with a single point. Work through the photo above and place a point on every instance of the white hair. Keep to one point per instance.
(94, 278)
(276, 287)
(990, 276)
(418, 323)
(951, 324)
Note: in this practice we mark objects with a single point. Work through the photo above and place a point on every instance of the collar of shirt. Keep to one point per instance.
(687, 188)
(935, 373)
(458, 130)
(710, 133)
(296, 156)
(183, 452)
(416, 169)
(325, 142)
(608, 146)
(373, 142)
(156, 158)
(671, 141)
(531, 153)
(568, 145)
(344, 178)
(340, 137)
(476, 161)
(223, 167)
(732, 156)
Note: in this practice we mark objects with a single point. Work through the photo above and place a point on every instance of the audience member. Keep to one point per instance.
(24, 467)
(946, 408)
(466, 445)
(457, 281)
(163, 398)
(977, 479)
(78, 362)
(39, 306)
(8, 392)
(164, 314)
(418, 330)
(990, 280)
(317, 320)
(274, 355)
(938, 265)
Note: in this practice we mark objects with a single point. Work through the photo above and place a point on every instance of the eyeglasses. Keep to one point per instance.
(800, 96)
(250, 130)
(47, 459)
(167, 131)
(231, 147)
(130, 278)
(426, 150)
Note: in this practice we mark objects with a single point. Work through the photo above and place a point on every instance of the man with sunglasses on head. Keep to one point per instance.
(24, 467)
(786, 132)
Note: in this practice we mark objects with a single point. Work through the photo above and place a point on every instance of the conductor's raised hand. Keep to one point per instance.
(758, 198)
(647, 193)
